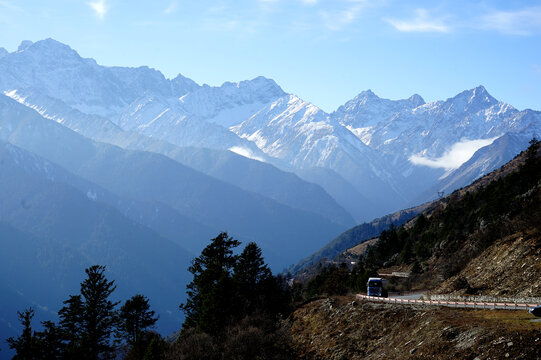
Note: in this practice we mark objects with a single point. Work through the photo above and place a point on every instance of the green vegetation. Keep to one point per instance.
(233, 311)
(333, 280)
(135, 318)
(233, 306)
(90, 326)
(465, 224)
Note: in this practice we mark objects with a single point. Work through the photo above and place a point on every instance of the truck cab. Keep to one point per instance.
(375, 287)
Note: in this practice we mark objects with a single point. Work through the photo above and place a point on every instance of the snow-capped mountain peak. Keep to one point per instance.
(367, 94)
(416, 100)
(182, 85)
(49, 51)
(285, 113)
(231, 103)
(259, 89)
(261, 85)
(471, 100)
(365, 111)
(25, 44)
(369, 98)
(56, 70)
(300, 133)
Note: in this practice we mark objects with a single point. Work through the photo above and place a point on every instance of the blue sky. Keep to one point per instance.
(324, 51)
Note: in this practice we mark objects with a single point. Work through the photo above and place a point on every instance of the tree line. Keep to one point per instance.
(90, 325)
(233, 308)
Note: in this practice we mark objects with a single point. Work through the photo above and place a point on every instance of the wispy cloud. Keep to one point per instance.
(309, 2)
(8, 5)
(525, 21)
(100, 8)
(269, 6)
(422, 22)
(221, 24)
(217, 8)
(336, 20)
(171, 8)
(457, 155)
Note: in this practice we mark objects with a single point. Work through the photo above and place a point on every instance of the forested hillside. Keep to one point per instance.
(498, 214)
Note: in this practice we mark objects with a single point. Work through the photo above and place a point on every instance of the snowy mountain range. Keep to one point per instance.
(389, 151)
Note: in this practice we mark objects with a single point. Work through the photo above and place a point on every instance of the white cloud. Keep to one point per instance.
(525, 21)
(518, 22)
(457, 155)
(171, 8)
(336, 20)
(100, 8)
(422, 22)
(241, 26)
(309, 2)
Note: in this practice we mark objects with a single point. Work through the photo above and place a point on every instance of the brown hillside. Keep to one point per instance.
(341, 328)
(510, 267)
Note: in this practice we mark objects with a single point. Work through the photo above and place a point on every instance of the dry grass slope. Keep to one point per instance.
(341, 328)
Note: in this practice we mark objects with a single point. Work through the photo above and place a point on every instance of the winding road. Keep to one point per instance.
(415, 299)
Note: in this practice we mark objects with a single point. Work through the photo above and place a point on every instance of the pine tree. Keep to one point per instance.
(71, 322)
(50, 341)
(250, 274)
(156, 347)
(135, 320)
(99, 318)
(358, 278)
(208, 305)
(26, 345)
(250, 268)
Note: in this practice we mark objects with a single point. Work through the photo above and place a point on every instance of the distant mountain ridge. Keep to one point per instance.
(281, 230)
(367, 109)
(50, 231)
(55, 69)
(369, 141)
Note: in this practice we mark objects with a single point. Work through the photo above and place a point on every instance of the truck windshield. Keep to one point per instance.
(374, 283)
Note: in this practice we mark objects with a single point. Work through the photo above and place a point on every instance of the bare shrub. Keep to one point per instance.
(194, 345)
